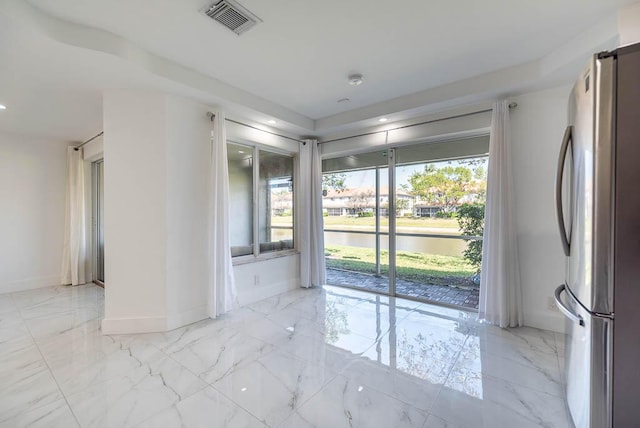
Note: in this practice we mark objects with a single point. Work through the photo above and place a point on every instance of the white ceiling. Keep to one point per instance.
(294, 65)
(55, 90)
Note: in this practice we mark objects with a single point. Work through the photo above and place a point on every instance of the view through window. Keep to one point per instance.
(439, 220)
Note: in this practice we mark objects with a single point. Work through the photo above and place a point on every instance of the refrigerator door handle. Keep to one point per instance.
(564, 309)
(566, 139)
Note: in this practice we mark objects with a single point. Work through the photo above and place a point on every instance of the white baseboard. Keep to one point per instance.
(187, 317)
(30, 283)
(251, 294)
(545, 320)
(153, 324)
(134, 325)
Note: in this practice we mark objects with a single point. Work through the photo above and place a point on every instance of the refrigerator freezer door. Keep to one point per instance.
(591, 188)
(626, 346)
(588, 366)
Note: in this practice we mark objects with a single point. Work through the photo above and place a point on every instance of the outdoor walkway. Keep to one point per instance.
(467, 298)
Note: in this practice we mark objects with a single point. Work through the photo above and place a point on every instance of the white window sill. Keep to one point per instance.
(243, 260)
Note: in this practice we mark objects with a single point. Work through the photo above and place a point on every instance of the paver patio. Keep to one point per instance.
(466, 297)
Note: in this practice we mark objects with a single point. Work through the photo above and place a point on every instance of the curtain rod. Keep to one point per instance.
(511, 105)
(88, 141)
(212, 115)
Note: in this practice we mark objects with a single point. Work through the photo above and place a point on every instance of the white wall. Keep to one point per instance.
(135, 222)
(262, 279)
(537, 126)
(32, 198)
(629, 24)
(157, 172)
(188, 162)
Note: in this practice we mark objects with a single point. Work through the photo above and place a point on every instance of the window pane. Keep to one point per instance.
(275, 202)
(433, 261)
(357, 224)
(241, 198)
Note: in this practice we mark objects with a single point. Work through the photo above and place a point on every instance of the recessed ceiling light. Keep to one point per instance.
(383, 119)
(273, 122)
(355, 79)
(3, 107)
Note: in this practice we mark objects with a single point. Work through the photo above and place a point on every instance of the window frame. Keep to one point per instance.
(257, 254)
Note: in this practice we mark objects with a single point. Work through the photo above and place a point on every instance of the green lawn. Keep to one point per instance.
(449, 225)
(418, 267)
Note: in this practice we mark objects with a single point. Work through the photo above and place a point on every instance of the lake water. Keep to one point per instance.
(439, 246)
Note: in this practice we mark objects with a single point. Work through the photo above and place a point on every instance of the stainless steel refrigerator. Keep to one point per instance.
(598, 204)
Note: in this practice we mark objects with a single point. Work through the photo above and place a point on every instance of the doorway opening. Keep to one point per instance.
(408, 221)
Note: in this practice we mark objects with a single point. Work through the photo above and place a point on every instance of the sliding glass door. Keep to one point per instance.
(408, 221)
(439, 224)
(356, 225)
(98, 220)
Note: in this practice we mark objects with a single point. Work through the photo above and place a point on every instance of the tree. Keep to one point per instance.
(360, 201)
(281, 202)
(471, 222)
(441, 187)
(334, 181)
(401, 205)
(448, 186)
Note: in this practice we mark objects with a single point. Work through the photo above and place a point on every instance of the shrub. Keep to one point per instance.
(442, 214)
(365, 214)
(471, 222)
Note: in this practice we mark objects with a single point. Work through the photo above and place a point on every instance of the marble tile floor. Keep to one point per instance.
(326, 357)
(466, 297)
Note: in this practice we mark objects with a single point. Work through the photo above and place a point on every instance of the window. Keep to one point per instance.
(264, 207)
(241, 198)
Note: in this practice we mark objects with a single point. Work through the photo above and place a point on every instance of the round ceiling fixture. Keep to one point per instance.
(382, 119)
(3, 107)
(356, 79)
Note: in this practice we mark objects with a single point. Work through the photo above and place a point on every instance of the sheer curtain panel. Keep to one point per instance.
(312, 264)
(74, 252)
(500, 290)
(221, 281)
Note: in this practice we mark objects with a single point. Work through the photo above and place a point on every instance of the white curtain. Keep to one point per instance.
(74, 252)
(311, 234)
(221, 281)
(500, 290)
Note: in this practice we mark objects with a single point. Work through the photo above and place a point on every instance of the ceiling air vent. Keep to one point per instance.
(232, 15)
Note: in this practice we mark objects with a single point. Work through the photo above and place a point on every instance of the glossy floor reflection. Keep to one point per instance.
(327, 357)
